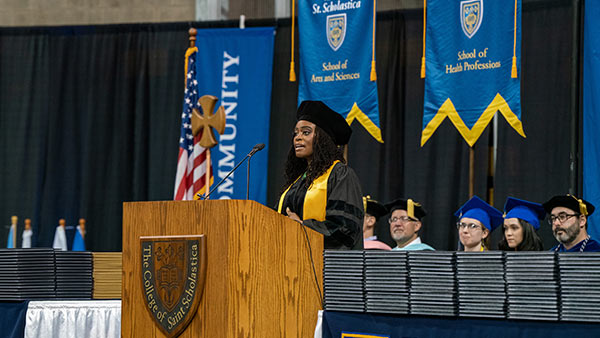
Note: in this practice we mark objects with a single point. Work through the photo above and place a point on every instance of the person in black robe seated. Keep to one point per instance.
(373, 212)
(321, 191)
(568, 217)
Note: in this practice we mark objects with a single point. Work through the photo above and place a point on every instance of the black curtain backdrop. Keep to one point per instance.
(90, 117)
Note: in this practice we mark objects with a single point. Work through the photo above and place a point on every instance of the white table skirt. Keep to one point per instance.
(82, 319)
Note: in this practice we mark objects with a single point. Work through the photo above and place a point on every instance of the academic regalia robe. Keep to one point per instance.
(591, 246)
(344, 213)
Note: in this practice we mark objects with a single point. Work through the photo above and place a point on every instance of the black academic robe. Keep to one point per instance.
(344, 213)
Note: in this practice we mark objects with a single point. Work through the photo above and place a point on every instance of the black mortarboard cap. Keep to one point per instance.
(569, 201)
(411, 207)
(374, 208)
(325, 118)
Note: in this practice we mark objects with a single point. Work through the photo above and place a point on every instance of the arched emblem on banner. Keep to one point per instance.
(173, 275)
(471, 14)
(336, 30)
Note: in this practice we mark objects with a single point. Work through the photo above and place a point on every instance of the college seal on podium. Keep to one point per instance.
(173, 274)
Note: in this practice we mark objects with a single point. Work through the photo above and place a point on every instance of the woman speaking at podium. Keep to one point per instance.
(321, 191)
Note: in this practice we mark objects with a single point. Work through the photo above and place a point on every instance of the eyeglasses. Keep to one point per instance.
(469, 226)
(402, 219)
(562, 217)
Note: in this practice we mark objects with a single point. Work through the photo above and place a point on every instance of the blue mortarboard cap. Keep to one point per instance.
(476, 208)
(530, 212)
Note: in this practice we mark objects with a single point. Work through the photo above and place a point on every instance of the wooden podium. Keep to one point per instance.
(259, 277)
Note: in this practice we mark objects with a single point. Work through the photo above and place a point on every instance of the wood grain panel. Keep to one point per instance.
(259, 280)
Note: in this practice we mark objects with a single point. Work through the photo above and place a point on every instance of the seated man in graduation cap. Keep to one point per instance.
(405, 223)
(373, 211)
(321, 191)
(568, 217)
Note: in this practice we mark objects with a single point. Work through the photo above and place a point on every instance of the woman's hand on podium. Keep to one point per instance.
(293, 215)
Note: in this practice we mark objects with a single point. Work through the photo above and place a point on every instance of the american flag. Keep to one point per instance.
(191, 163)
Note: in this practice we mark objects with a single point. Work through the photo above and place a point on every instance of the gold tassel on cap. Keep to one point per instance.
(424, 33)
(365, 199)
(410, 208)
(513, 71)
(292, 64)
(582, 206)
(373, 72)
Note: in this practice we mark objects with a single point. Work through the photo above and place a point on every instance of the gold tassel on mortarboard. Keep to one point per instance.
(365, 199)
(410, 208)
(582, 206)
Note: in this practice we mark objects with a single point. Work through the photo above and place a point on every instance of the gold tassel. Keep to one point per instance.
(513, 71)
(292, 64)
(373, 73)
(424, 33)
(410, 208)
(582, 206)
(292, 72)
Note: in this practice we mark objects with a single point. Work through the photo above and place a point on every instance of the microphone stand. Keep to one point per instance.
(249, 155)
(248, 180)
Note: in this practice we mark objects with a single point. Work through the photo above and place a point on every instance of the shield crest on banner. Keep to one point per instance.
(336, 30)
(471, 14)
(173, 275)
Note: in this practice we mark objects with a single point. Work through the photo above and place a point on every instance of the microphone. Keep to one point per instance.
(257, 147)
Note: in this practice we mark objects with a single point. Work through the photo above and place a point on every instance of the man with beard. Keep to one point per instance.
(568, 217)
(405, 223)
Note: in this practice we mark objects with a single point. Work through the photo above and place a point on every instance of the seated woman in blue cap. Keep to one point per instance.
(477, 220)
(521, 222)
(321, 191)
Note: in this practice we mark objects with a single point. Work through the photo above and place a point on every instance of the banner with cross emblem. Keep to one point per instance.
(337, 59)
(235, 67)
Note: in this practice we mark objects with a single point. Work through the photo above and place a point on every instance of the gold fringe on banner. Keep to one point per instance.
(292, 64)
(373, 72)
(424, 32)
(513, 71)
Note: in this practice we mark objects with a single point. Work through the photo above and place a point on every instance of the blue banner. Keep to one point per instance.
(236, 65)
(591, 113)
(472, 58)
(336, 59)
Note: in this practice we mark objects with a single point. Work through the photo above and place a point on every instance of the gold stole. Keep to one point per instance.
(315, 200)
